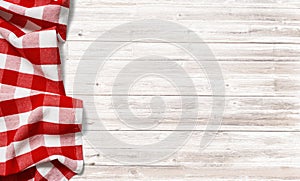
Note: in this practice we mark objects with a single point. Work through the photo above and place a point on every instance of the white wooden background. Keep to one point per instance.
(257, 44)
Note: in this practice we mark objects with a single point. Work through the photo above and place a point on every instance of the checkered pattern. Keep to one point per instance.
(40, 127)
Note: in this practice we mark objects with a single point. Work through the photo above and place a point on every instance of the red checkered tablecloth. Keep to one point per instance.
(40, 127)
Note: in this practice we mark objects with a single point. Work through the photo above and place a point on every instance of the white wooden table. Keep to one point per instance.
(256, 43)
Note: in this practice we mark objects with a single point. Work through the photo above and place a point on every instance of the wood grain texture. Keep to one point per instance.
(257, 45)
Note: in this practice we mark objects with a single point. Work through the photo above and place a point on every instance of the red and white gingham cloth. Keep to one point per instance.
(40, 127)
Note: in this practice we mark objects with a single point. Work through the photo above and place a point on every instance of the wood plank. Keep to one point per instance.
(224, 3)
(216, 31)
(231, 155)
(277, 86)
(237, 148)
(240, 113)
(177, 173)
(240, 79)
(257, 69)
(74, 50)
(184, 13)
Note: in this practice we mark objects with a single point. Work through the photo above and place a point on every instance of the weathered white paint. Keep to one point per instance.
(257, 45)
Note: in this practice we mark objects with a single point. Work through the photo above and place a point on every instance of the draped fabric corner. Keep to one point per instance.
(40, 127)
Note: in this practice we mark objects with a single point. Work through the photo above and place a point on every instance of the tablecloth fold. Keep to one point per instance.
(40, 126)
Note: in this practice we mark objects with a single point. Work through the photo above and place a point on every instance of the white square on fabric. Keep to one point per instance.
(51, 114)
(50, 72)
(2, 60)
(78, 138)
(4, 4)
(24, 118)
(22, 147)
(63, 15)
(78, 116)
(21, 92)
(48, 39)
(16, 41)
(3, 154)
(26, 67)
(52, 141)
(35, 12)
(2, 125)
